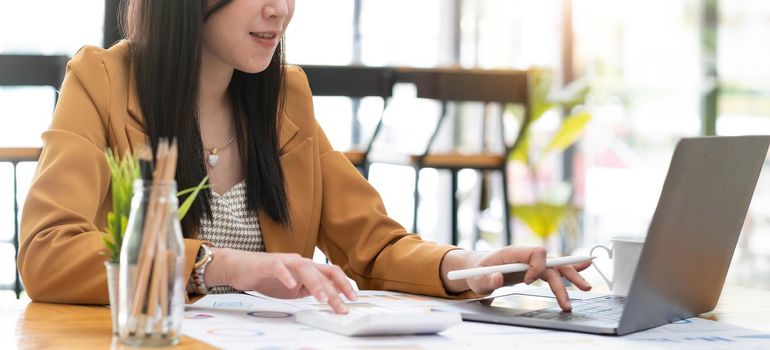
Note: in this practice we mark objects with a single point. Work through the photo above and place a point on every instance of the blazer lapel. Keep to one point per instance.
(133, 106)
(298, 170)
(286, 131)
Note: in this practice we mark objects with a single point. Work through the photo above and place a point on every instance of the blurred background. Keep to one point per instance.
(647, 74)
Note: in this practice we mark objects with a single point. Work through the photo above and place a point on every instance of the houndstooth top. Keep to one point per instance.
(231, 226)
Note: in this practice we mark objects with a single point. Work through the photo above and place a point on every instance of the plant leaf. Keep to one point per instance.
(542, 218)
(569, 132)
(123, 225)
(521, 151)
(572, 95)
(123, 172)
(189, 200)
(191, 189)
(540, 80)
(108, 243)
(539, 108)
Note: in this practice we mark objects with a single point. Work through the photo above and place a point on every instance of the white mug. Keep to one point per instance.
(625, 254)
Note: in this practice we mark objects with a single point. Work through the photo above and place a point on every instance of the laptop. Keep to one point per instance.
(686, 255)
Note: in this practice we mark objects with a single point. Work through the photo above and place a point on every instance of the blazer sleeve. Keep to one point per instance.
(357, 234)
(60, 257)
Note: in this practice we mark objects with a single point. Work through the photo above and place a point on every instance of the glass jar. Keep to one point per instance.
(152, 289)
(113, 274)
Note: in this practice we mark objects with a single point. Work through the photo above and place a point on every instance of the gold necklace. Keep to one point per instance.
(213, 158)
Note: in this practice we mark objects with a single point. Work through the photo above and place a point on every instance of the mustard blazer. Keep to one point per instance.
(332, 206)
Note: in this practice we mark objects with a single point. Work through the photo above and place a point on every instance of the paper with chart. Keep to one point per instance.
(238, 321)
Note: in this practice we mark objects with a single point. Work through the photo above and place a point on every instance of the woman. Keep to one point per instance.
(211, 74)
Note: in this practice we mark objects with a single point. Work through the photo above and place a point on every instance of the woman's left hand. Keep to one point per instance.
(535, 257)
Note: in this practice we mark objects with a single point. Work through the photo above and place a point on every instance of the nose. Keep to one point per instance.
(276, 9)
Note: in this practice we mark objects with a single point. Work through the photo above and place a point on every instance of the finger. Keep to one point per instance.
(557, 287)
(536, 263)
(340, 280)
(582, 266)
(487, 283)
(573, 276)
(282, 273)
(333, 293)
(325, 288)
(312, 280)
(507, 255)
(535, 257)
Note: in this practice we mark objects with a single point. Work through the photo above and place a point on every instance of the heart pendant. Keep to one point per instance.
(213, 159)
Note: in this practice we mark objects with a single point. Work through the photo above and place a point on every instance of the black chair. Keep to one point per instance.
(18, 71)
(456, 86)
(355, 82)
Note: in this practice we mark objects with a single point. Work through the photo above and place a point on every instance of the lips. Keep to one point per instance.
(267, 40)
(264, 35)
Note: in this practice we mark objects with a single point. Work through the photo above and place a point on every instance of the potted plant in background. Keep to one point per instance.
(551, 203)
(123, 173)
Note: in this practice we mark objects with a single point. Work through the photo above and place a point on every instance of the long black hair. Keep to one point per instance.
(165, 41)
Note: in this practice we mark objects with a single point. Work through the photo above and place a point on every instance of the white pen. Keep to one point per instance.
(517, 267)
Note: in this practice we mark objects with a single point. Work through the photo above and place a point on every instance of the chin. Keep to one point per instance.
(254, 67)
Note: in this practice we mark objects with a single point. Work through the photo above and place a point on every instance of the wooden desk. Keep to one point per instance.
(26, 325)
(37, 325)
(743, 307)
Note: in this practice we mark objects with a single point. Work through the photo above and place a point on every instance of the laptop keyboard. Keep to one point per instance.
(606, 308)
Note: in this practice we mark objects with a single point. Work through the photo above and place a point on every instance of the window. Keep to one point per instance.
(45, 27)
(743, 108)
(644, 58)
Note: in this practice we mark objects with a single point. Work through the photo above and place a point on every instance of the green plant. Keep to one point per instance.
(191, 198)
(123, 172)
(544, 215)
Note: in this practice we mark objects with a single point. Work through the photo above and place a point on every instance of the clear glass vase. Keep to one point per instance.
(151, 296)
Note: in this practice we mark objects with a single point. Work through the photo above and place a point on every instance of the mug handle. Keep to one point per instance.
(609, 253)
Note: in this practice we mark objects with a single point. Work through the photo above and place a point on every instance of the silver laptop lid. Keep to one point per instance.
(694, 230)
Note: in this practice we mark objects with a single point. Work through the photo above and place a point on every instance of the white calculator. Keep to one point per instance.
(358, 322)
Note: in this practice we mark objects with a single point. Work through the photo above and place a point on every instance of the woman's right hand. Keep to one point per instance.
(279, 275)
